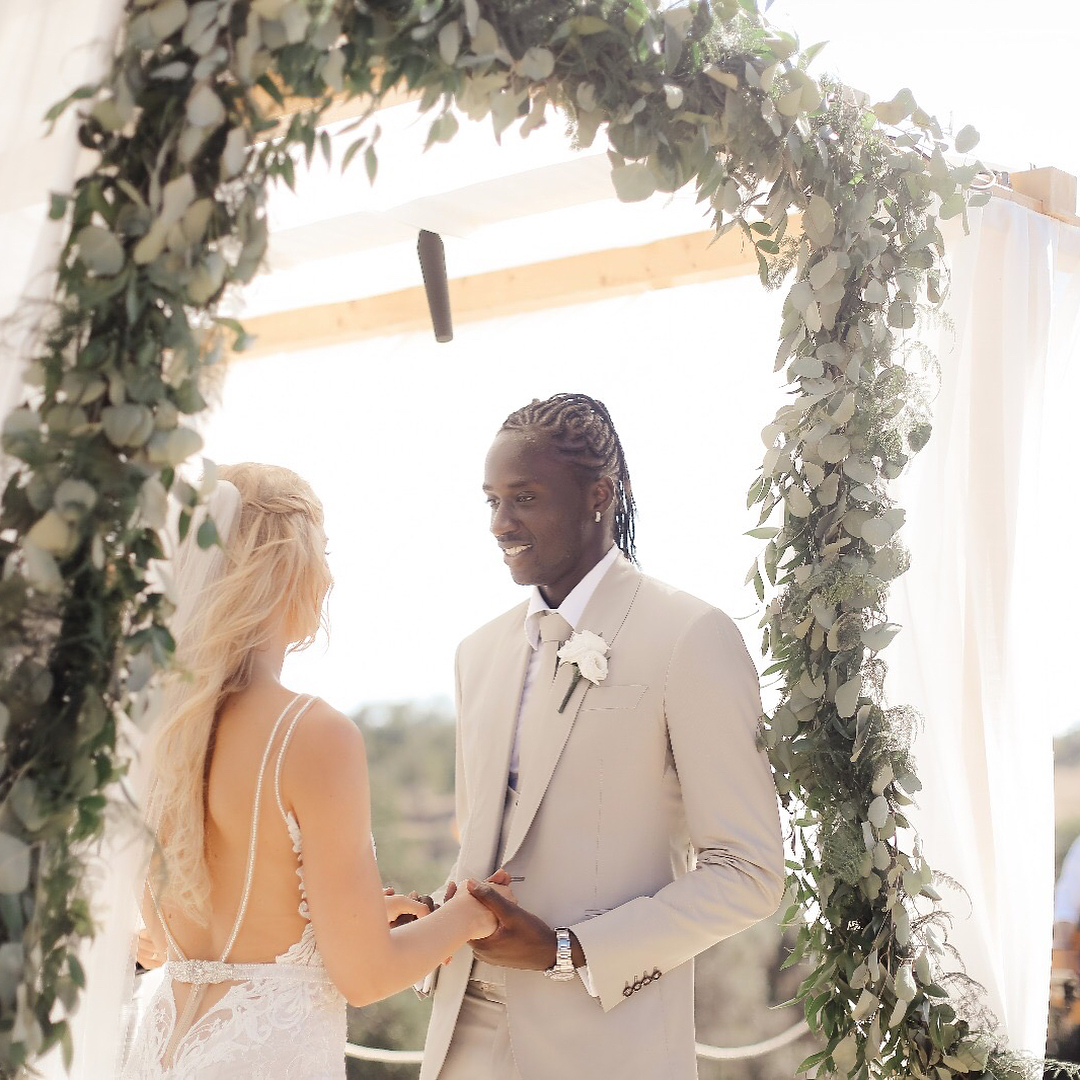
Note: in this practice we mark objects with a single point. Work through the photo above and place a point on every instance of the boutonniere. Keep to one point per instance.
(587, 652)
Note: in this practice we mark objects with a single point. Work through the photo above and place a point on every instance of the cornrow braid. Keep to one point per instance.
(581, 432)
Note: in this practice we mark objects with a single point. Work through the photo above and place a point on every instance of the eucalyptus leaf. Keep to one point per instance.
(204, 107)
(633, 182)
(172, 448)
(834, 448)
(153, 502)
(847, 697)
(14, 864)
(904, 983)
(967, 138)
(878, 531)
(127, 424)
(450, 42)
(725, 78)
(819, 221)
(875, 292)
(168, 17)
(807, 366)
(798, 502)
(234, 153)
(74, 497)
(801, 296)
(100, 251)
(952, 207)
(899, 108)
(861, 471)
(585, 25)
(537, 63)
(52, 533)
(901, 314)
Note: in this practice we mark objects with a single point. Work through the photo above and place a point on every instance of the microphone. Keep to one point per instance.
(429, 247)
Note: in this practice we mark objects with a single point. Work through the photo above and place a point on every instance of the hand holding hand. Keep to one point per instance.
(403, 909)
(522, 939)
(501, 880)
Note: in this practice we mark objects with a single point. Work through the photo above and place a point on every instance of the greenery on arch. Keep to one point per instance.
(843, 198)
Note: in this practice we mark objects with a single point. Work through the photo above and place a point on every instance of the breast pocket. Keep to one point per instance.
(604, 698)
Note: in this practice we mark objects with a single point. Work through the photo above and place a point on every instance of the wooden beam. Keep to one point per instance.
(342, 107)
(577, 279)
(1046, 191)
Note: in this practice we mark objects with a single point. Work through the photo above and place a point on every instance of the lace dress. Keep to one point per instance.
(282, 1020)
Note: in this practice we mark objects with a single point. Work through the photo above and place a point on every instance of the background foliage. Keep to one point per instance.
(186, 135)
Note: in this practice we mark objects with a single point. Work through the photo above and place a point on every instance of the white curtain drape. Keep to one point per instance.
(47, 49)
(989, 604)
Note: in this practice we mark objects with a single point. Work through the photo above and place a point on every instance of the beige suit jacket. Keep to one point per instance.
(647, 822)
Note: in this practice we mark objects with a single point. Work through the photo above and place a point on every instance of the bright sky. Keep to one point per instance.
(1007, 68)
(392, 432)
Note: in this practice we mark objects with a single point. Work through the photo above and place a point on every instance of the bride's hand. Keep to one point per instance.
(403, 908)
(146, 951)
(483, 922)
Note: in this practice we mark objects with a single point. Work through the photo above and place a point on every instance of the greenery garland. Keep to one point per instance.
(173, 214)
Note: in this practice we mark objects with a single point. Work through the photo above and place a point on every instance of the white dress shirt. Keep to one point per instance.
(571, 609)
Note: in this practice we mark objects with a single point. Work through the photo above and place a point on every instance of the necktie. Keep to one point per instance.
(554, 630)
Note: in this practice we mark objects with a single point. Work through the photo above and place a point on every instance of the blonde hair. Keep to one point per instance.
(274, 575)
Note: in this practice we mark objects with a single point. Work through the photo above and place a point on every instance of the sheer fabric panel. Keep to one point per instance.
(47, 49)
(989, 606)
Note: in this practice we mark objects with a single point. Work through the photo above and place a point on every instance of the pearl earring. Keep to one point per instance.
(597, 518)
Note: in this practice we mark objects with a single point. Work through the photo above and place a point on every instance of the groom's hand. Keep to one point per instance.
(522, 940)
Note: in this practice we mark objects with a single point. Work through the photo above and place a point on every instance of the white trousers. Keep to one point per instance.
(480, 1048)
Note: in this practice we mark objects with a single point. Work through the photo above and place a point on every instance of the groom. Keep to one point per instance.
(624, 793)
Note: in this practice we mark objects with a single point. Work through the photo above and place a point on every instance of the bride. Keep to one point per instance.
(263, 900)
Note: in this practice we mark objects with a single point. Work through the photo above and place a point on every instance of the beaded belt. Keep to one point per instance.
(209, 972)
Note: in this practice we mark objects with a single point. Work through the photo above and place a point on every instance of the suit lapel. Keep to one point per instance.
(604, 615)
(493, 719)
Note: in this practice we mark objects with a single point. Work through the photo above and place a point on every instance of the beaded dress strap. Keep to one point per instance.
(281, 758)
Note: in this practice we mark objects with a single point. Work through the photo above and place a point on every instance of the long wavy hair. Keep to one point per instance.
(274, 574)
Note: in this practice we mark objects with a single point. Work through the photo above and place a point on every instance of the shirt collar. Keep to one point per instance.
(573, 607)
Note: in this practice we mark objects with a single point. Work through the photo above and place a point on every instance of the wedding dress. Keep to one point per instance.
(279, 1020)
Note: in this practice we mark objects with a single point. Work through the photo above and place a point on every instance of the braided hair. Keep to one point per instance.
(581, 432)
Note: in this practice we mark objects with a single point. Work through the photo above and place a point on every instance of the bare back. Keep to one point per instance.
(274, 923)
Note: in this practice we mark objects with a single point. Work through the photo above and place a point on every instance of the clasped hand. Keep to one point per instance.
(520, 939)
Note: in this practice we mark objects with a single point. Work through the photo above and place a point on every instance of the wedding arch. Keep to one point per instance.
(842, 198)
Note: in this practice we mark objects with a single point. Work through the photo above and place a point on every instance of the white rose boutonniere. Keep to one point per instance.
(587, 652)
